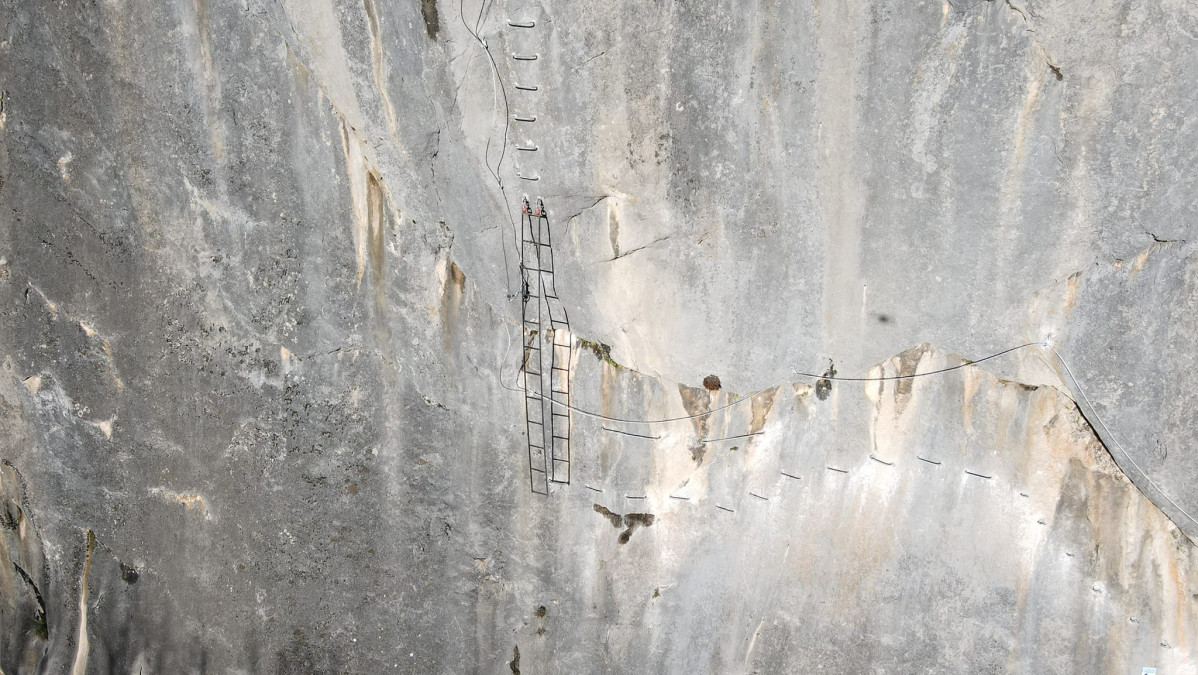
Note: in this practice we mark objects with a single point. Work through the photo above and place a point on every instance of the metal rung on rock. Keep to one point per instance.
(544, 317)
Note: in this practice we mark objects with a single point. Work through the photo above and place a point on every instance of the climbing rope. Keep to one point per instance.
(503, 149)
(915, 375)
(1111, 434)
(1047, 344)
(495, 173)
(750, 397)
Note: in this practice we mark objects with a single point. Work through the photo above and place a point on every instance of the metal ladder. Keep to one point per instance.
(548, 355)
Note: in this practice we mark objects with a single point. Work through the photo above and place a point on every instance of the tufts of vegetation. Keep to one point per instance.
(601, 352)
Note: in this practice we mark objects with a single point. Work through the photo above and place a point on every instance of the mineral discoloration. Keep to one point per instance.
(189, 502)
(760, 409)
(453, 288)
(697, 401)
(82, 642)
(201, 248)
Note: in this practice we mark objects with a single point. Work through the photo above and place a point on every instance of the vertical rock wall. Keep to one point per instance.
(259, 323)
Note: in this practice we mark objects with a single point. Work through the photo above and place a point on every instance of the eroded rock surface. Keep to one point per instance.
(259, 333)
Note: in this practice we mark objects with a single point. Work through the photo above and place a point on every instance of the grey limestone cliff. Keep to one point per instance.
(261, 336)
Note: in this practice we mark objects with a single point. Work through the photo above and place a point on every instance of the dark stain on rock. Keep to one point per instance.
(633, 521)
(823, 387)
(21, 548)
(630, 522)
(451, 302)
(711, 383)
(305, 656)
(41, 628)
(615, 518)
(541, 612)
(432, 21)
(129, 574)
(514, 664)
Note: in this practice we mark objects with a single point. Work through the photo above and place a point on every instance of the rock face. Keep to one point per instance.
(260, 324)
